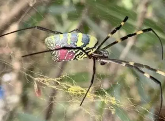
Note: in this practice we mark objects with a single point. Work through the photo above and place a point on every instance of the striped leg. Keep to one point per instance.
(142, 66)
(113, 32)
(133, 34)
(156, 81)
(33, 27)
(62, 48)
(135, 66)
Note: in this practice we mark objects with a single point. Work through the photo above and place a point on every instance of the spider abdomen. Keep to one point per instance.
(85, 41)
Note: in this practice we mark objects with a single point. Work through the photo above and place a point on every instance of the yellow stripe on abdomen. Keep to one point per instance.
(92, 42)
(69, 38)
(61, 36)
(79, 41)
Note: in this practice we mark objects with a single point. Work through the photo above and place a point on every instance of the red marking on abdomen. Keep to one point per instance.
(65, 55)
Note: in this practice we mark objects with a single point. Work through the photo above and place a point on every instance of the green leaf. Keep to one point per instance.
(59, 9)
(121, 114)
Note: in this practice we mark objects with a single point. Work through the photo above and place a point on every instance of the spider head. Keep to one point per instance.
(102, 54)
(105, 54)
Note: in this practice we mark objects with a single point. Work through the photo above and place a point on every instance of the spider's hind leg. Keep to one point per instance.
(137, 67)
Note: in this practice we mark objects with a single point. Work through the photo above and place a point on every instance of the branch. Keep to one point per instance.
(17, 11)
(53, 93)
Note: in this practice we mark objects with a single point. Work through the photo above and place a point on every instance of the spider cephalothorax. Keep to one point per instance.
(104, 54)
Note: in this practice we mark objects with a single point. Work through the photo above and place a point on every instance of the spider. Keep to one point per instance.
(75, 45)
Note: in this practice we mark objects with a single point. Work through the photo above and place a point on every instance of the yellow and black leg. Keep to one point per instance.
(137, 67)
(156, 81)
(113, 32)
(134, 34)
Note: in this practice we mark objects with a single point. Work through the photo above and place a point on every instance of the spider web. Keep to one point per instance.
(118, 93)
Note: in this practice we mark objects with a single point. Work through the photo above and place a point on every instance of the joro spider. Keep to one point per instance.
(75, 45)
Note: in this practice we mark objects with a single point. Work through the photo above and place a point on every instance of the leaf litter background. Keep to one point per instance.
(118, 93)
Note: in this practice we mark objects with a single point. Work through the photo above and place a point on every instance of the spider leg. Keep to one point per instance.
(134, 34)
(33, 27)
(67, 48)
(75, 30)
(132, 65)
(113, 32)
(142, 66)
(156, 81)
(92, 80)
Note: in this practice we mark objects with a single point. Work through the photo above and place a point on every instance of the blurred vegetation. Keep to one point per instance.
(138, 96)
